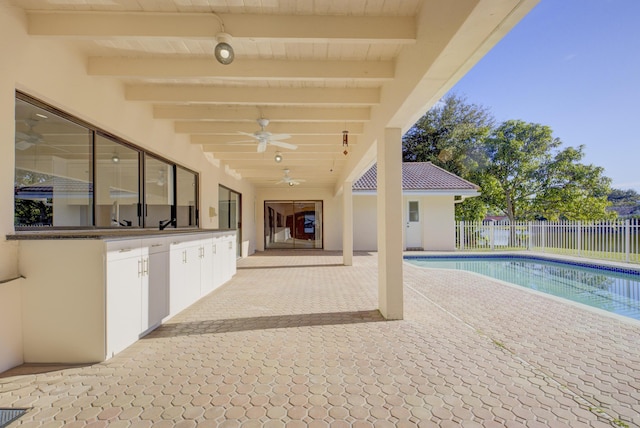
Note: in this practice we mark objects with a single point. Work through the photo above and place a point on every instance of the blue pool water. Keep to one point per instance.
(613, 289)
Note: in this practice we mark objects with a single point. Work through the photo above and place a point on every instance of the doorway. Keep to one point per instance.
(293, 224)
(413, 235)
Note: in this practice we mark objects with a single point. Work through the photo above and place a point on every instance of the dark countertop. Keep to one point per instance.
(104, 234)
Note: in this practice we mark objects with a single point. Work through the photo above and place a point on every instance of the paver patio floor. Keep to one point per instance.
(295, 339)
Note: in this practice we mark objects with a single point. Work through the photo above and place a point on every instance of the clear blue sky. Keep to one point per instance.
(573, 65)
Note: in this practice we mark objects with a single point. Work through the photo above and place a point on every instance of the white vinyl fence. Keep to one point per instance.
(617, 240)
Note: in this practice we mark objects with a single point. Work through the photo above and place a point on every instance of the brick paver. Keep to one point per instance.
(294, 339)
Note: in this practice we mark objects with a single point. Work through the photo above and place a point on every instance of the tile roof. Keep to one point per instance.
(418, 176)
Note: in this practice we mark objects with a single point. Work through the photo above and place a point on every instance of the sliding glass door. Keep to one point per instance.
(293, 224)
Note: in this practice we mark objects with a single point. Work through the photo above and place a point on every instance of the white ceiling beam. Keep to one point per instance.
(308, 141)
(248, 69)
(277, 172)
(232, 128)
(290, 155)
(251, 148)
(253, 95)
(306, 163)
(274, 114)
(300, 28)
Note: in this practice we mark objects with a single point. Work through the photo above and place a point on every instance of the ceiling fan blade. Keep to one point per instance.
(262, 146)
(279, 136)
(283, 144)
(24, 145)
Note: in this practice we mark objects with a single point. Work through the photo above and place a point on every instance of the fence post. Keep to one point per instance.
(543, 239)
(529, 236)
(579, 239)
(461, 234)
(491, 235)
(627, 241)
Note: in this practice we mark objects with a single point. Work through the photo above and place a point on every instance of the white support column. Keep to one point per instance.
(390, 280)
(347, 224)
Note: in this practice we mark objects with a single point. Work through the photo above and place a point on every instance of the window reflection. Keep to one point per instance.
(53, 176)
(117, 184)
(293, 224)
(187, 195)
(158, 179)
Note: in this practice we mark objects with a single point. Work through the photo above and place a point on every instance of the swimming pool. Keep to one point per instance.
(612, 289)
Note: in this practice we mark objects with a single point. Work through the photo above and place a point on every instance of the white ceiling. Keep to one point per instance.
(313, 68)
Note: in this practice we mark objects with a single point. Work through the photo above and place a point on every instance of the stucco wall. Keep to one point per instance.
(437, 214)
(438, 223)
(56, 74)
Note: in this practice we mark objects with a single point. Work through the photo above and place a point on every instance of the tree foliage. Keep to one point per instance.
(522, 169)
(529, 177)
(619, 197)
(449, 135)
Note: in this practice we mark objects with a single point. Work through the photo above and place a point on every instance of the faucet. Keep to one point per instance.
(164, 223)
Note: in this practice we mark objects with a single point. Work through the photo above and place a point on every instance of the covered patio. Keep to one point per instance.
(295, 339)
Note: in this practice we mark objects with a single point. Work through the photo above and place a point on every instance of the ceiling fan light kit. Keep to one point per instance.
(278, 157)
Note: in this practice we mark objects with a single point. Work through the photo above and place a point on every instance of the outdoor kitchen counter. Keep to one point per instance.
(104, 234)
(89, 294)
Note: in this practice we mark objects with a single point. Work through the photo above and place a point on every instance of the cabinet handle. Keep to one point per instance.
(157, 245)
(145, 266)
(139, 268)
(230, 245)
(175, 243)
(184, 256)
(214, 249)
(124, 250)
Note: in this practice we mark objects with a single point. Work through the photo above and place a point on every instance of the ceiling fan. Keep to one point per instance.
(264, 137)
(25, 140)
(289, 180)
(160, 180)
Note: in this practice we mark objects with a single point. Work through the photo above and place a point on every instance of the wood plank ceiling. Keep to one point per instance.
(313, 68)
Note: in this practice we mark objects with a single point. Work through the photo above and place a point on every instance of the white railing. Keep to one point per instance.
(617, 240)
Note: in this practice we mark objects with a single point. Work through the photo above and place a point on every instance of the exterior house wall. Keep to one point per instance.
(56, 74)
(438, 223)
(365, 228)
(437, 214)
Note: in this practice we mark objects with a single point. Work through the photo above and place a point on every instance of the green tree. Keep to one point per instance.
(449, 135)
(619, 197)
(528, 177)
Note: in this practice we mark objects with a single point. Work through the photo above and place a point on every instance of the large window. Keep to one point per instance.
(70, 174)
(187, 184)
(293, 224)
(117, 187)
(53, 175)
(230, 213)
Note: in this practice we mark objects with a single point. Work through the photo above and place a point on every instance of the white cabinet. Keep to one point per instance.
(125, 266)
(184, 272)
(137, 290)
(85, 300)
(192, 272)
(155, 292)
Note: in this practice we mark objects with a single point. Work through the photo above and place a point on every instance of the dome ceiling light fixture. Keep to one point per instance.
(223, 51)
(278, 157)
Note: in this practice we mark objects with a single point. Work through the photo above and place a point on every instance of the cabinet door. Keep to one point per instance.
(155, 293)
(206, 266)
(217, 248)
(184, 266)
(124, 300)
